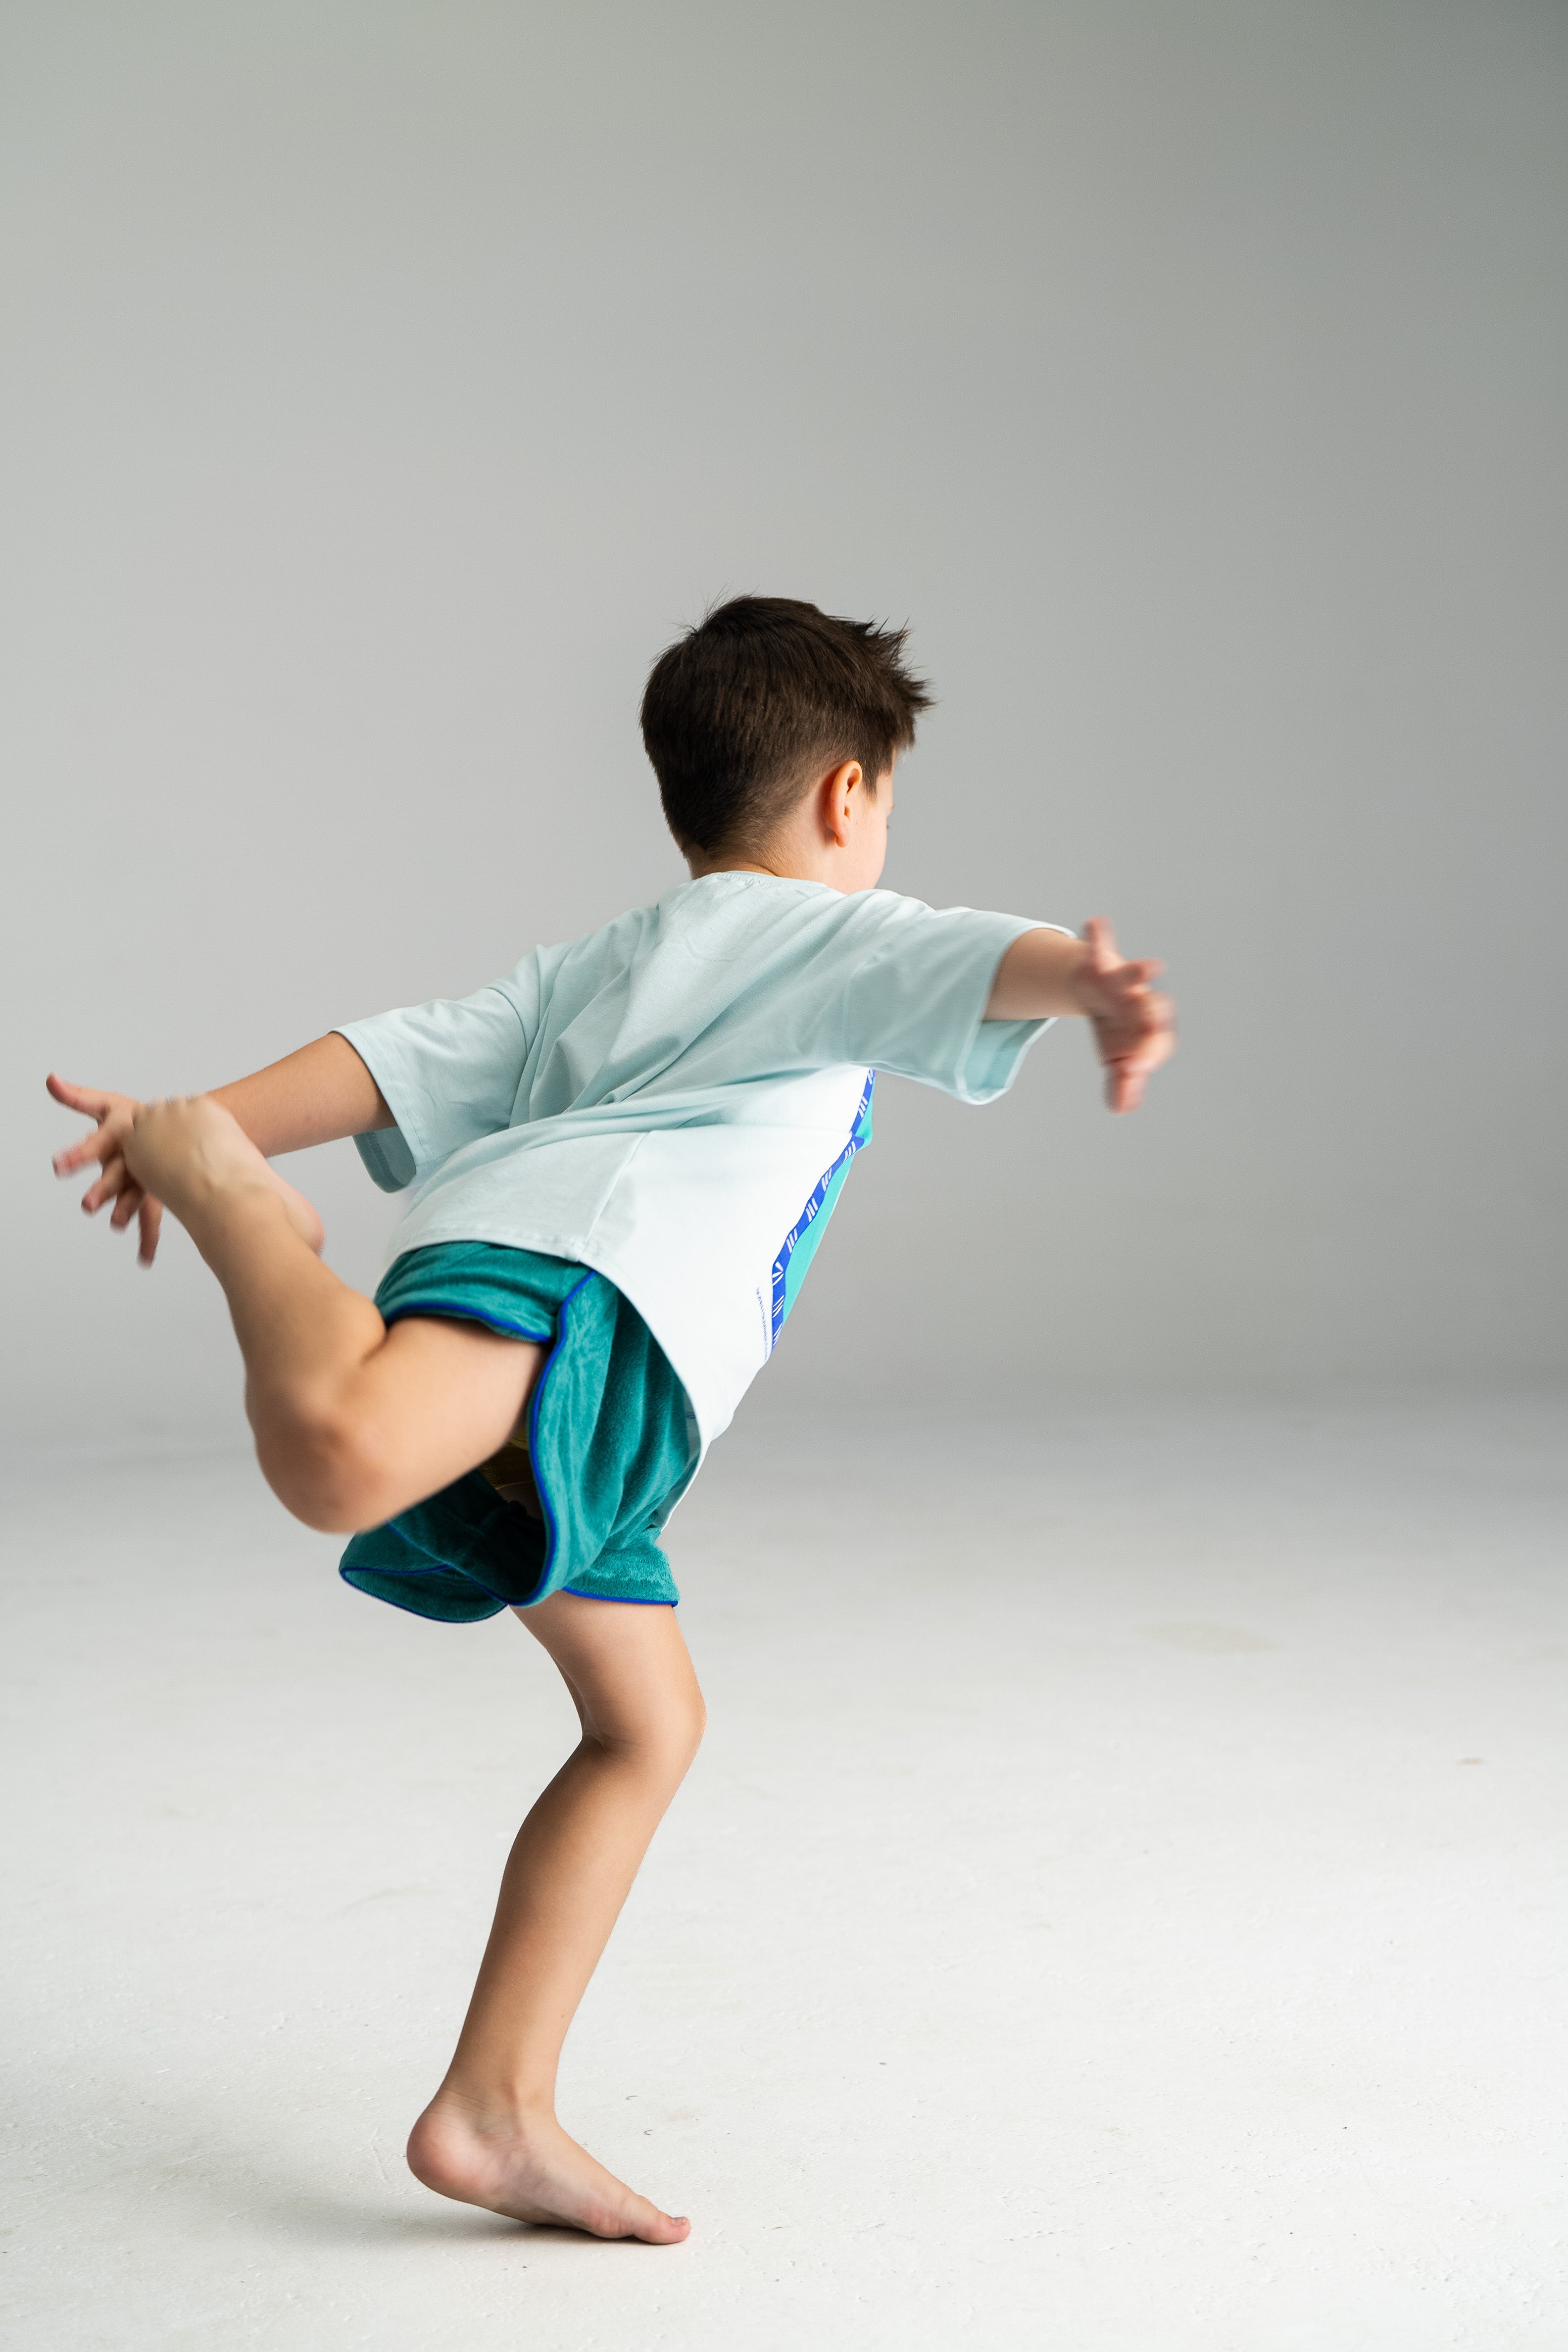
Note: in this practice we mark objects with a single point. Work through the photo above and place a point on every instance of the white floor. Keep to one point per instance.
(1120, 1904)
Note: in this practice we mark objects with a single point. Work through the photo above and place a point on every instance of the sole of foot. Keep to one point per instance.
(531, 2170)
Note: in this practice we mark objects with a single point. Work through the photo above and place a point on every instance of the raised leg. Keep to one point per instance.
(353, 1421)
(490, 2136)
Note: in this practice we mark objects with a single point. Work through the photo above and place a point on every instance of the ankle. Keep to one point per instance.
(492, 2108)
(460, 2140)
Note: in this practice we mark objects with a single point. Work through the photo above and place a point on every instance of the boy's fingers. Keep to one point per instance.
(1127, 1083)
(125, 1208)
(1141, 1066)
(1121, 976)
(1150, 1045)
(1137, 1023)
(150, 1216)
(91, 1147)
(1130, 1066)
(1131, 979)
(102, 1145)
(114, 1178)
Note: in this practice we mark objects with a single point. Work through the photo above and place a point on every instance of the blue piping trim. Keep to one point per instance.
(621, 1600)
(467, 1315)
(808, 1216)
(552, 1529)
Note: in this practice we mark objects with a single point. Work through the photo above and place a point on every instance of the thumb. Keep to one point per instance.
(89, 1100)
(1104, 953)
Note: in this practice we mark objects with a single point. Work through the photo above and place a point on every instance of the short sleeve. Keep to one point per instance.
(449, 1071)
(915, 1006)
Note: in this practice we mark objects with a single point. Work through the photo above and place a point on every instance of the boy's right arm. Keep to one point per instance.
(1045, 973)
(322, 1092)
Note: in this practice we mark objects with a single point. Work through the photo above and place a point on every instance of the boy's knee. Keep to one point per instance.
(325, 1468)
(671, 1737)
(663, 1737)
(691, 1723)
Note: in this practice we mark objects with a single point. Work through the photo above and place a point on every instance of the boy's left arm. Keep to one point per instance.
(1046, 974)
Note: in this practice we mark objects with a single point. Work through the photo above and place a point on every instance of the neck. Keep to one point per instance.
(720, 864)
(790, 856)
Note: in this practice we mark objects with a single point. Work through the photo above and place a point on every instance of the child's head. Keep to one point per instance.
(745, 713)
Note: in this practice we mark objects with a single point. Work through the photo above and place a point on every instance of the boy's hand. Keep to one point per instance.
(1134, 1028)
(114, 1181)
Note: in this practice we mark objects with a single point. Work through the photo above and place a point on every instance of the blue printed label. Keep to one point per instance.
(800, 1243)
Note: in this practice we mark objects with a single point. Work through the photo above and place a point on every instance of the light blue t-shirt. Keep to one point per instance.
(676, 1099)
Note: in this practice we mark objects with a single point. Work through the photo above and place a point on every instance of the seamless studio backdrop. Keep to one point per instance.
(1119, 1902)
(384, 386)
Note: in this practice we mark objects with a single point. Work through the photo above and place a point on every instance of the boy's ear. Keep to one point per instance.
(833, 795)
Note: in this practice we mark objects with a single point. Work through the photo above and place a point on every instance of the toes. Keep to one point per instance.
(658, 2228)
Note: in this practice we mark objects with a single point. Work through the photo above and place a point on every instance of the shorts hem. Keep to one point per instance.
(626, 1600)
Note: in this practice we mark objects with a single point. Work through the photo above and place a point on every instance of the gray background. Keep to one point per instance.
(383, 385)
(1137, 1820)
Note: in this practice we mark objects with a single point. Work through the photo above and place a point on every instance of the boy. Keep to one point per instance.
(623, 1157)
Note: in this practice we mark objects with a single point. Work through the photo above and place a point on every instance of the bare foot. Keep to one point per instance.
(187, 1150)
(526, 2166)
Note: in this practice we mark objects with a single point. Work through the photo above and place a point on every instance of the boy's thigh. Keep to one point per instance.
(440, 1396)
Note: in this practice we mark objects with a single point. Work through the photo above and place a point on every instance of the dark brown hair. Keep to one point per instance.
(740, 711)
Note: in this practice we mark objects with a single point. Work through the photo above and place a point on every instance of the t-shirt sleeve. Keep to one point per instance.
(450, 1072)
(915, 1004)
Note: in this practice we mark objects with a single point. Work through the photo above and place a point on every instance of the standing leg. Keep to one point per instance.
(490, 2136)
(353, 1422)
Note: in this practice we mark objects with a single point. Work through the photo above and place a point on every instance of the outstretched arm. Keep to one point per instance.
(315, 1096)
(1047, 973)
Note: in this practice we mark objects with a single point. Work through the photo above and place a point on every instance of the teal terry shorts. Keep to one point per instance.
(609, 1445)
